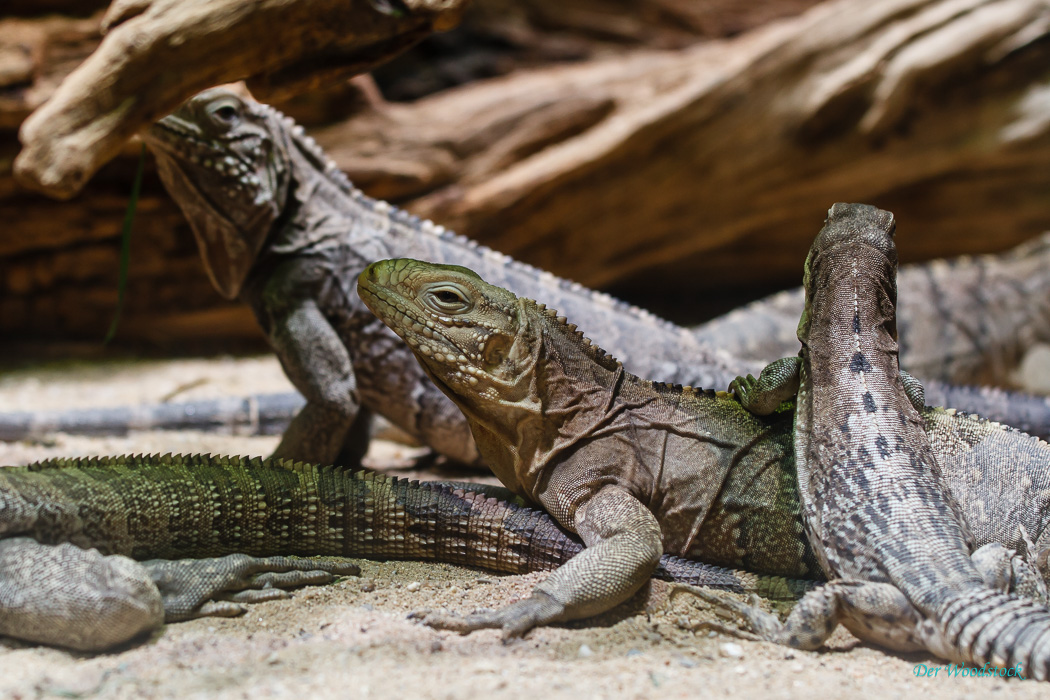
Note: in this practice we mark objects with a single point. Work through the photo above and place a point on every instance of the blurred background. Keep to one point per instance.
(679, 154)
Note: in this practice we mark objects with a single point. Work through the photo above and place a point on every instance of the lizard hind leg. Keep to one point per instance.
(875, 612)
(1008, 571)
(221, 586)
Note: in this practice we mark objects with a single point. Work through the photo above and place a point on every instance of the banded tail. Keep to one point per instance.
(191, 506)
(988, 627)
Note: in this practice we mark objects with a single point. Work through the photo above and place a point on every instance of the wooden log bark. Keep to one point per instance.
(723, 157)
(678, 175)
(160, 52)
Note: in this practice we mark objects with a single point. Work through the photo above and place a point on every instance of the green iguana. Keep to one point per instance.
(215, 532)
(281, 227)
(638, 468)
(878, 512)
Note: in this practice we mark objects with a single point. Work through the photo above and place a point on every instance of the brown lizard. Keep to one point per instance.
(637, 467)
(283, 229)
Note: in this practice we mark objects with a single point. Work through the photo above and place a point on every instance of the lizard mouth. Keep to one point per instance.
(178, 137)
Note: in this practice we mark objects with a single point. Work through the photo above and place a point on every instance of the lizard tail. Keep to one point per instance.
(679, 570)
(990, 628)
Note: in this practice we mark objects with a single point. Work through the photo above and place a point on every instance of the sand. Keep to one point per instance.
(354, 638)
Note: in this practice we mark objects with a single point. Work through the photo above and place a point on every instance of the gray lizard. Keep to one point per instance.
(215, 532)
(891, 536)
(637, 468)
(280, 227)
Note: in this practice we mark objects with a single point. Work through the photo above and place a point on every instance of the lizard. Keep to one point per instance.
(282, 228)
(961, 320)
(639, 468)
(97, 551)
(892, 538)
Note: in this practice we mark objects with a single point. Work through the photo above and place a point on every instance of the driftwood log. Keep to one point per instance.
(676, 177)
(161, 52)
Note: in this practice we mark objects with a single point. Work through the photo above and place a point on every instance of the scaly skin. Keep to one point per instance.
(280, 227)
(962, 320)
(637, 468)
(213, 532)
(891, 536)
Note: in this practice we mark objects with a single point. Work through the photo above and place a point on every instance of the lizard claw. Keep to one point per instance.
(760, 622)
(515, 619)
(458, 623)
(742, 387)
(220, 586)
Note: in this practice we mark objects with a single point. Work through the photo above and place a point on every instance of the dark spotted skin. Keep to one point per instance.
(206, 525)
(962, 321)
(892, 537)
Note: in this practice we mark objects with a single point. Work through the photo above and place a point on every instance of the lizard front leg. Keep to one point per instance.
(777, 383)
(623, 547)
(319, 365)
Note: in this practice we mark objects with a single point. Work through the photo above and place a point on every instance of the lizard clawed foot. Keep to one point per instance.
(515, 619)
(222, 586)
(742, 387)
(763, 625)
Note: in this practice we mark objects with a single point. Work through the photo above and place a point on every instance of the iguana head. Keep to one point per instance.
(474, 339)
(856, 240)
(224, 159)
(519, 372)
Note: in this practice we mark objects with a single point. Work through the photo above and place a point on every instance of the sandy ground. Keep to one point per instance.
(353, 639)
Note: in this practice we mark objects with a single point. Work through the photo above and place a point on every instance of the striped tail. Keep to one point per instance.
(695, 573)
(193, 506)
(988, 627)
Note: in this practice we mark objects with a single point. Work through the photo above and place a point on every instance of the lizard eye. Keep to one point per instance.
(447, 299)
(447, 296)
(225, 113)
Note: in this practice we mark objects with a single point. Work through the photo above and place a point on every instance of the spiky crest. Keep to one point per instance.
(425, 226)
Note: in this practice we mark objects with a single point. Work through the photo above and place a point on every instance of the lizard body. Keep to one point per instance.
(207, 527)
(637, 468)
(894, 541)
(281, 227)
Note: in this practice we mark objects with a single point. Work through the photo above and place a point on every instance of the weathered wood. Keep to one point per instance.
(157, 53)
(725, 156)
(681, 173)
